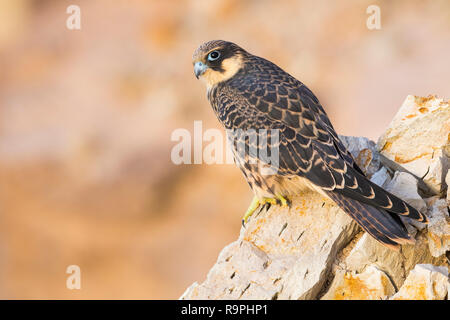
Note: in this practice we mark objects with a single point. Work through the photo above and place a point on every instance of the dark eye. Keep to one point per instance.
(213, 55)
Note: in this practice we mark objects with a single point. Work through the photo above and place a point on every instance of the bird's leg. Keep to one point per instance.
(283, 201)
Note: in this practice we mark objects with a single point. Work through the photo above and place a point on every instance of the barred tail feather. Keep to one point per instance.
(385, 227)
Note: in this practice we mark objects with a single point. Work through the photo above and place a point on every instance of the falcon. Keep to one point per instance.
(250, 93)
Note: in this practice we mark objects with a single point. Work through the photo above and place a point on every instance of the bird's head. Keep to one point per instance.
(217, 61)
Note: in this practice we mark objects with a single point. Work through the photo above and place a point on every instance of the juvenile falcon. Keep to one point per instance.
(251, 93)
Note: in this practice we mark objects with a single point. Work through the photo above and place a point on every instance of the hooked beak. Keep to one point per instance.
(199, 68)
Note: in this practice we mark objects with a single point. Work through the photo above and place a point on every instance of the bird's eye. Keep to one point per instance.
(214, 55)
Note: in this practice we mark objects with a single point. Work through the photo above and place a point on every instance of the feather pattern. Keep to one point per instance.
(261, 96)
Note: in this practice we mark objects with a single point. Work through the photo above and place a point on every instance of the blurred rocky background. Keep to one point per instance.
(86, 118)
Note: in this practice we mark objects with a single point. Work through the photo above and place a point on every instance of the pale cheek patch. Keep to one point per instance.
(231, 67)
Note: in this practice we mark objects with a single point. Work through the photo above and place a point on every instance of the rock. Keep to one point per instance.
(439, 166)
(280, 254)
(425, 282)
(447, 182)
(404, 186)
(439, 227)
(372, 284)
(396, 264)
(381, 177)
(365, 153)
(418, 139)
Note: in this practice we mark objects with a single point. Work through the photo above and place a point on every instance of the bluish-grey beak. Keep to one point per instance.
(199, 68)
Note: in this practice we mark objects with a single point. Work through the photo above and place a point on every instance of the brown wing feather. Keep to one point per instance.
(263, 96)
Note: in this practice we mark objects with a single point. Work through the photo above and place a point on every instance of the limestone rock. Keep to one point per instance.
(396, 264)
(381, 177)
(439, 227)
(365, 153)
(280, 254)
(404, 186)
(425, 282)
(447, 182)
(418, 139)
(372, 284)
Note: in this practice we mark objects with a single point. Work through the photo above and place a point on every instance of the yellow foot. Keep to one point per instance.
(256, 202)
(251, 209)
(284, 202)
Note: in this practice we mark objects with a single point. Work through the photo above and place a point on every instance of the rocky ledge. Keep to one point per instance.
(315, 251)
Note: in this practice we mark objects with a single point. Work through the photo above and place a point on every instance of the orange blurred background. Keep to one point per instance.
(86, 118)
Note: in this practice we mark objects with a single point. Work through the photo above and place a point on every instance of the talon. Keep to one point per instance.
(289, 202)
(282, 200)
(260, 209)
